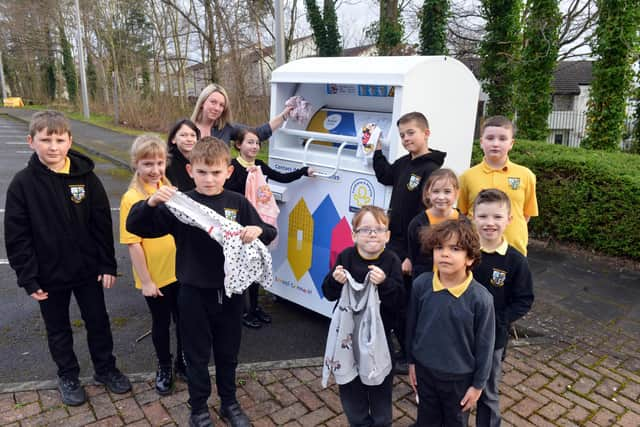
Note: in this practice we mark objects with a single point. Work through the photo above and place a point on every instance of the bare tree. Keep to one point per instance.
(206, 31)
(578, 23)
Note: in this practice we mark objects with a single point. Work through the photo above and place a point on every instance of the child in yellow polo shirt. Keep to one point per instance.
(497, 171)
(154, 260)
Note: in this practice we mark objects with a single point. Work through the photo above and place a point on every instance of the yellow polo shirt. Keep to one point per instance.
(457, 290)
(518, 182)
(160, 253)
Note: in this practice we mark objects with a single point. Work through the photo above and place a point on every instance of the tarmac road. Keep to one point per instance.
(295, 332)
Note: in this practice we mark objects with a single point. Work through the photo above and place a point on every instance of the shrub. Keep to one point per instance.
(586, 197)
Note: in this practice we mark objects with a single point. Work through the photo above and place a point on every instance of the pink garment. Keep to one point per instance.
(301, 111)
(259, 194)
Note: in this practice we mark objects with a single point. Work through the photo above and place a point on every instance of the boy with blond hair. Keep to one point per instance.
(59, 241)
(497, 171)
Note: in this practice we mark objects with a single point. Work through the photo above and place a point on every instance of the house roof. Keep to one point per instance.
(268, 50)
(358, 50)
(568, 75)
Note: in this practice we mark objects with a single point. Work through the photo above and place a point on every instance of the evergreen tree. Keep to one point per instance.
(325, 28)
(433, 27)
(539, 57)
(499, 49)
(49, 70)
(614, 45)
(390, 29)
(48, 65)
(314, 16)
(68, 67)
(333, 45)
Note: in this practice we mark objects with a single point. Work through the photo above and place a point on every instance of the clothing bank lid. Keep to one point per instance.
(388, 70)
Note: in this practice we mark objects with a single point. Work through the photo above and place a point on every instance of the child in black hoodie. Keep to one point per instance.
(407, 175)
(59, 241)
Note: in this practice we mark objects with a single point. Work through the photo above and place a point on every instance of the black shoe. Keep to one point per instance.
(400, 367)
(235, 416)
(261, 315)
(164, 380)
(201, 419)
(71, 391)
(115, 381)
(180, 370)
(250, 321)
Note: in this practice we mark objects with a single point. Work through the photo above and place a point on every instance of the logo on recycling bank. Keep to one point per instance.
(361, 193)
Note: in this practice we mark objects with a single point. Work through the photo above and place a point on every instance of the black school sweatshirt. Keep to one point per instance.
(407, 176)
(508, 278)
(238, 180)
(199, 258)
(58, 230)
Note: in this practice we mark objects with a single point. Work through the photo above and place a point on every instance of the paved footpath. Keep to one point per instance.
(576, 363)
(591, 378)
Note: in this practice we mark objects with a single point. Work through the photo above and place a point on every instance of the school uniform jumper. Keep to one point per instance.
(369, 405)
(209, 319)
(59, 238)
(518, 182)
(505, 274)
(407, 176)
(450, 336)
(176, 171)
(238, 180)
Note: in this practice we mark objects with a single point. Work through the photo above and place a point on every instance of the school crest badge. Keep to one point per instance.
(498, 277)
(77, 193)
(230, 214)
(414, 182)
(514, 182)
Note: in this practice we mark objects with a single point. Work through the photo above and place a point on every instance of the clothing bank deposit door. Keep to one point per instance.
(346, 94)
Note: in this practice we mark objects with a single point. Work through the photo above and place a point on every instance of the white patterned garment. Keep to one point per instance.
(356, 342)
(301, 109)
(244, 263)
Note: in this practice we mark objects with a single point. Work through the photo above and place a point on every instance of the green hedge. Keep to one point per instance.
(587, 197)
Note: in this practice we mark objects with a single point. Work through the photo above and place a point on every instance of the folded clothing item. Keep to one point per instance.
(301, 109)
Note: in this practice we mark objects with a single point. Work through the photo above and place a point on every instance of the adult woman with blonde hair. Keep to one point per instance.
(212, 115)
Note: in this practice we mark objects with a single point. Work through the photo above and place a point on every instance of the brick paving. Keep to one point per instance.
(588, 378)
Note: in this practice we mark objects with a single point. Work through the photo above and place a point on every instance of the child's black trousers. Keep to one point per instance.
(55, 312)
(440, 398)
(366, 405)
(210, 321)
(162, 309)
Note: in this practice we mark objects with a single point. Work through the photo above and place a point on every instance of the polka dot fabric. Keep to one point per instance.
(244, 263)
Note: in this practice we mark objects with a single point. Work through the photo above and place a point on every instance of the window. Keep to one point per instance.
(563, 102)
(558, 138)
